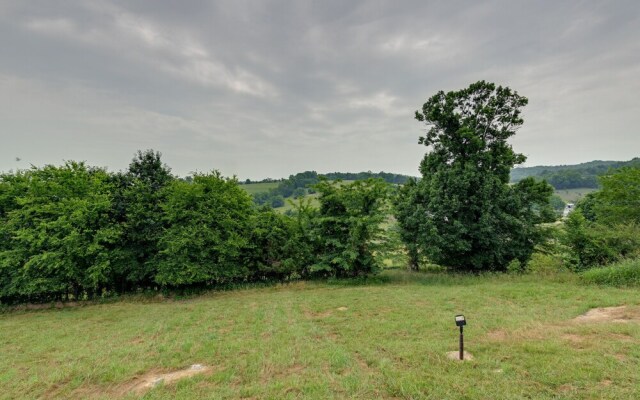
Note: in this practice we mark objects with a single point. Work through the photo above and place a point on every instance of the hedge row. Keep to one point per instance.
(74, 231)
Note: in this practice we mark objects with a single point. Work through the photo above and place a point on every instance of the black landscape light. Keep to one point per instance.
(461, 322)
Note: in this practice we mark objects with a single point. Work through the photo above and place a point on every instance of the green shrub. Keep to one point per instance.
(345, 232)
(593, 244)
(270, 251)
(78, 232)
(623, 273)
(208, 225)
(59, 238)
(546, 264)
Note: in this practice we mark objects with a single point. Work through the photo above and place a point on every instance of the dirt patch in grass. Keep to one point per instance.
(316, 315)
(573, 338)
(151, 379)
(455, 355)
(138, 385)
(621, 314)
(271, 372)
(498, 335)
(364, 366)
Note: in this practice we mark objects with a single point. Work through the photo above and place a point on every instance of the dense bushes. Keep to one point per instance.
(347, 226)
(207, 232)
(606, 225)
(59, 237)
(594, 244)
(74, 231)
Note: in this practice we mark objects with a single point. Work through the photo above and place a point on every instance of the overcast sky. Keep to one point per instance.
(270, 88)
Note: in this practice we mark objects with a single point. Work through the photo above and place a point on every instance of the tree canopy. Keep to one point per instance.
(463, 213)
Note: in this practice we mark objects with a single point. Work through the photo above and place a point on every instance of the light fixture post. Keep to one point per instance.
(461, 343)
(461, 322)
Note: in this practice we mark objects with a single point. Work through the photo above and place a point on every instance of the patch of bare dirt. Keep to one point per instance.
(317, 315)
(271, 372)
(566, 388)
(620, 357)
(361, 361)
(342, 308)
(498, 335)
(152, 379)
(137, 386)
(621, 314)
(573, 338)
(455, 355)
(621, 337)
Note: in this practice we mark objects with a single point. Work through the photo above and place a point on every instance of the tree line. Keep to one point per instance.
(300, 184)
(75, 231)
(585, 175)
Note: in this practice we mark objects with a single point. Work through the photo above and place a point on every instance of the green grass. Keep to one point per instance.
(292, 341)
(624, 273)
(253, 188)
(573, 195)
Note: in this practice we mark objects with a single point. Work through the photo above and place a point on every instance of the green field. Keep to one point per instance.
(573, 195)
(385, 339)
(253, 188)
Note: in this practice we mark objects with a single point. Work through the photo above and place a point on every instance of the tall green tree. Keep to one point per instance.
(346, 228)
(469, 217)
(139, 199)
(409, 213)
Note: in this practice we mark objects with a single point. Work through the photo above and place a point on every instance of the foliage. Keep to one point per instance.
(545, 264)
(463, 210)
(208, 224)
(557, 204)
(59, 238)
(619, 200)
(583, 175)
(594, 244)
(141, 191)
(302, 183)
(569, 179)
(347, 226)
(606, 224)
(396, 179)
(277, 201)
(622, 273)
(272, 246)
(409, 213)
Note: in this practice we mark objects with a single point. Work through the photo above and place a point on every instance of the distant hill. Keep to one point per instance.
(583, 175)
(274, 193)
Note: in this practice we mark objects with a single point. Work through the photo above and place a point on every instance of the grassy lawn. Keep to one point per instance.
(573, 195)
(322, 341)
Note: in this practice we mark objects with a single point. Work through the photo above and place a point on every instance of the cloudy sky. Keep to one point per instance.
(269, 88)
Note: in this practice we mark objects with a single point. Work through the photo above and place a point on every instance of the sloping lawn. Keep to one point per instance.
(386, 339)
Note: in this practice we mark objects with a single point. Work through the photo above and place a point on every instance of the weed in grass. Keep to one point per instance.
(624, 273)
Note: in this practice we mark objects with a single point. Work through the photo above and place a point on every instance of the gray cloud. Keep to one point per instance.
(270, 88)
